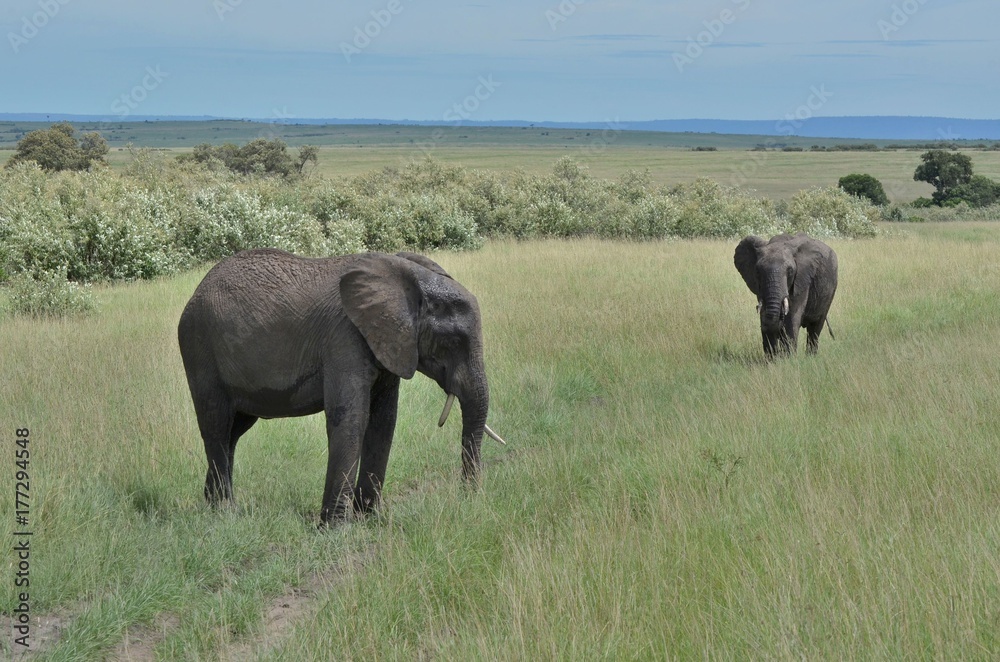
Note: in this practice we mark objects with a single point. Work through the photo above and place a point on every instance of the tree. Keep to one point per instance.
(56, 148)
(944, 170)
(864, 186)
(307, 154)
(979, 191)
(260, 156)
(94, 148)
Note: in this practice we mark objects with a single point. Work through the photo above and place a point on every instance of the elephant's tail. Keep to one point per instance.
(830, 328)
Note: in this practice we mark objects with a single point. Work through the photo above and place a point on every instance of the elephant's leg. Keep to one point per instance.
(241, 423)
(346, 421)
(377, 442)
(813, 332)
(790, 331)
(772, 342)
(215, 420)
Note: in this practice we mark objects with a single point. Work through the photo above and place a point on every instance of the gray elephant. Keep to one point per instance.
(794, 279)
(268, 334)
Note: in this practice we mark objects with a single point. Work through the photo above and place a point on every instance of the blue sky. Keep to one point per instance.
(559, 60)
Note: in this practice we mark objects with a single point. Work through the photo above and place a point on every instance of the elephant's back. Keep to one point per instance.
(257, 289)
(263, 269)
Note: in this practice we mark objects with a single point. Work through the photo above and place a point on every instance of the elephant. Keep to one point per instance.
(794, 278)
(268, 334)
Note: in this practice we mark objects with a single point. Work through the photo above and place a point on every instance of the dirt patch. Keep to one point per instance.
(138, 643)
(282, 614)
(285, 611)
(45, 633)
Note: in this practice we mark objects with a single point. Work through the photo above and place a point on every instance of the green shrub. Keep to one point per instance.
(57, 148)
(707, 209)
(48, 294)
(979, 191)
(827, 212)
(33, 233)
(864, 186)
(158, 215)
(228, 219)
(894, 214)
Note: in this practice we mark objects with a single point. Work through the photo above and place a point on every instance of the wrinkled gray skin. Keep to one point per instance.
(269, 335)
(799, 269)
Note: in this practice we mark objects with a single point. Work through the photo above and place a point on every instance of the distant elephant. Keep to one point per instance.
(268, 334)
(794, 279)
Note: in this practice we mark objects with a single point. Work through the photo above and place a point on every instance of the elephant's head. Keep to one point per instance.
(414, 316)
(769, 269)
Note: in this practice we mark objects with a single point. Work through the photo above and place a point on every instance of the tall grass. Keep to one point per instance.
(665, 492)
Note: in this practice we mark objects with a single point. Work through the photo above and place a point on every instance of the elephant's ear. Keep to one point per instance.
(381, 300)
(745, 259)
(425, 262)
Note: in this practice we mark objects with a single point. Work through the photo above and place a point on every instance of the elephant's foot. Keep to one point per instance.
(366, 502)
(342, 511)
(218, 492)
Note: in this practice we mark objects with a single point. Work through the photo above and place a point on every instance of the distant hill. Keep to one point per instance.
(863, 128)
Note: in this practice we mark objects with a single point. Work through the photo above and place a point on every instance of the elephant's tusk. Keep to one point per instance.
(784, 306)
(447, 410)
(493, 435)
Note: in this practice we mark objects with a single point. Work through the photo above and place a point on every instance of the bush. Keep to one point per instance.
(57, 148)
(707, 209)
(159, 216)
(257, 157)
(48, 295)
(979, 191)
(864, 186)
(827, 212)
(227, 219)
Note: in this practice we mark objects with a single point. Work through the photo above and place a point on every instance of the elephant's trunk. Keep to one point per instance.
(475, 403)
(774, 305)
(447, 411)
(771, 316)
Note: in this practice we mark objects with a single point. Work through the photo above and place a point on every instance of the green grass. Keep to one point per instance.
(191, 133)
(778, 175)
(664, 491)
(348, 151)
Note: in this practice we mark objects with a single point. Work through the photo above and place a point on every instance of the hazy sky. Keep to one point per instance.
(595, 60)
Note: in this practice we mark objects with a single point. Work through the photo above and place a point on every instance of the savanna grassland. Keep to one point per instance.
(349, 151)
(665, 493)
